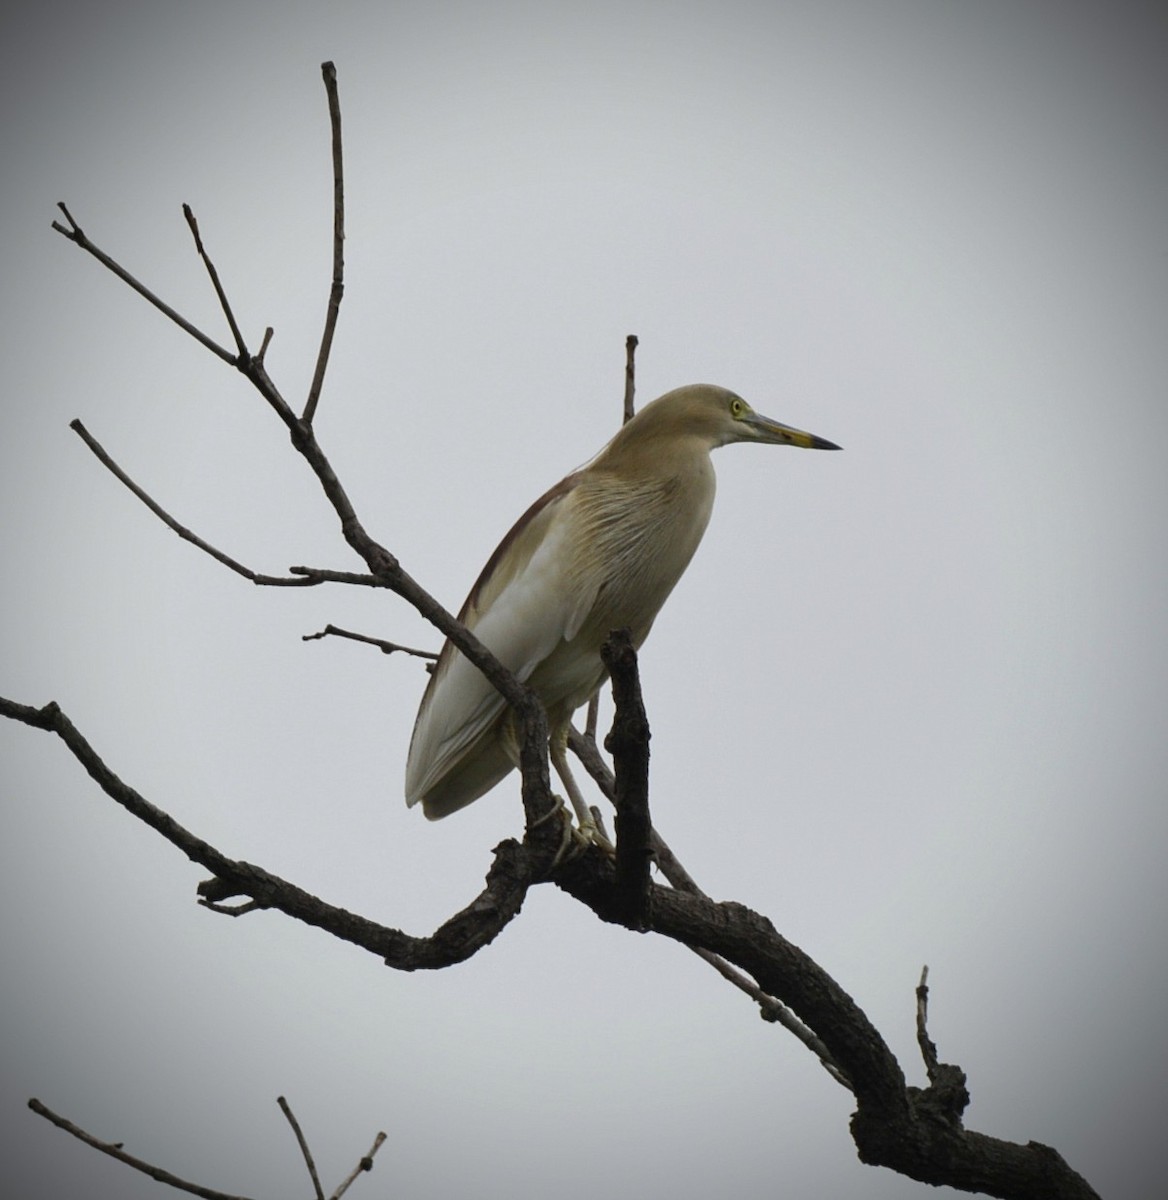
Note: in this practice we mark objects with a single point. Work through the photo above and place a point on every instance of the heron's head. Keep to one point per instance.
(717, 417)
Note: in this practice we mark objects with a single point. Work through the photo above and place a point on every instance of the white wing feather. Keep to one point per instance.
(521, 625)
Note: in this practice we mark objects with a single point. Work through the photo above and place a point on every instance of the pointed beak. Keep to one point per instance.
(766, 430)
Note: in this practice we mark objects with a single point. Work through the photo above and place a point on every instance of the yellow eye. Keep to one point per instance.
(737, 408)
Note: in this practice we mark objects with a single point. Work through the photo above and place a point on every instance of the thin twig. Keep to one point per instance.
(926, 1044)
(76, 234)
(775, 1010)
(287, 1111)
(269, 333)
(114, 1150)
(328, 575)
(592, 717)
(365, 1164)
(300, 579)
(384, 647)
(329, 71)
(240, 344)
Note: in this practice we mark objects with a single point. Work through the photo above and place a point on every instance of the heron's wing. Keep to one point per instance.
(530, 596)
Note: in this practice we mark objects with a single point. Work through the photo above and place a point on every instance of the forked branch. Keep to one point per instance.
(161, 1175)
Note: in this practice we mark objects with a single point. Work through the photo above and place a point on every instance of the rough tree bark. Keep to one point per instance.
(916, 1131)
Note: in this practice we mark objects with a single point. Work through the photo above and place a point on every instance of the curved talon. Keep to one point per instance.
(566, 841)
(556, 808)
(593, 834)
(575, 839)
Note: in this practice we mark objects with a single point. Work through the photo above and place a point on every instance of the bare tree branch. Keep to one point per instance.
(928, 1050)
(628, 743)
(455, 940)
(915, 1131)
(585, 749)
(383, 646)
(300, 580)
(114, 1150)
(241, 346)
(365, 1164)
(76, 234)
(285, 1108)
(383, 566)
(329, 71)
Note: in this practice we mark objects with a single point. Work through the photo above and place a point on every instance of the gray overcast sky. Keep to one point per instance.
(909, 700)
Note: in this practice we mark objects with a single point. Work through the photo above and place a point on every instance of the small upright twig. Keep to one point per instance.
(287, 1111)
(224, 303)
(329, 71)
(947, 1096)
(630, 374)
(267, 341)
(928, 1047)
(365, 1164)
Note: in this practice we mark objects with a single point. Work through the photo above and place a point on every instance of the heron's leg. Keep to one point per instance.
(558, 752)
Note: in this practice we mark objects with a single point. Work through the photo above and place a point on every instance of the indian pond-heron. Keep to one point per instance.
(600, 551)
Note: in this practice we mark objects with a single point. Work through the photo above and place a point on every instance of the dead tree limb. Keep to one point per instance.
(161, 1175)
(918, 1132)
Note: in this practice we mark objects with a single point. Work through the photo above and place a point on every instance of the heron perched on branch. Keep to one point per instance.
(600, 551)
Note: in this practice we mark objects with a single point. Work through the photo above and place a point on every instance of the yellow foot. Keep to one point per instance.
(592, 833)
(575, 839)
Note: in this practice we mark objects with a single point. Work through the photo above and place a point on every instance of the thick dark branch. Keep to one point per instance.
(584, 748)
(75, 234)
(628, 743)
(906, 1129)
(329, 71)
(931, 1151)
